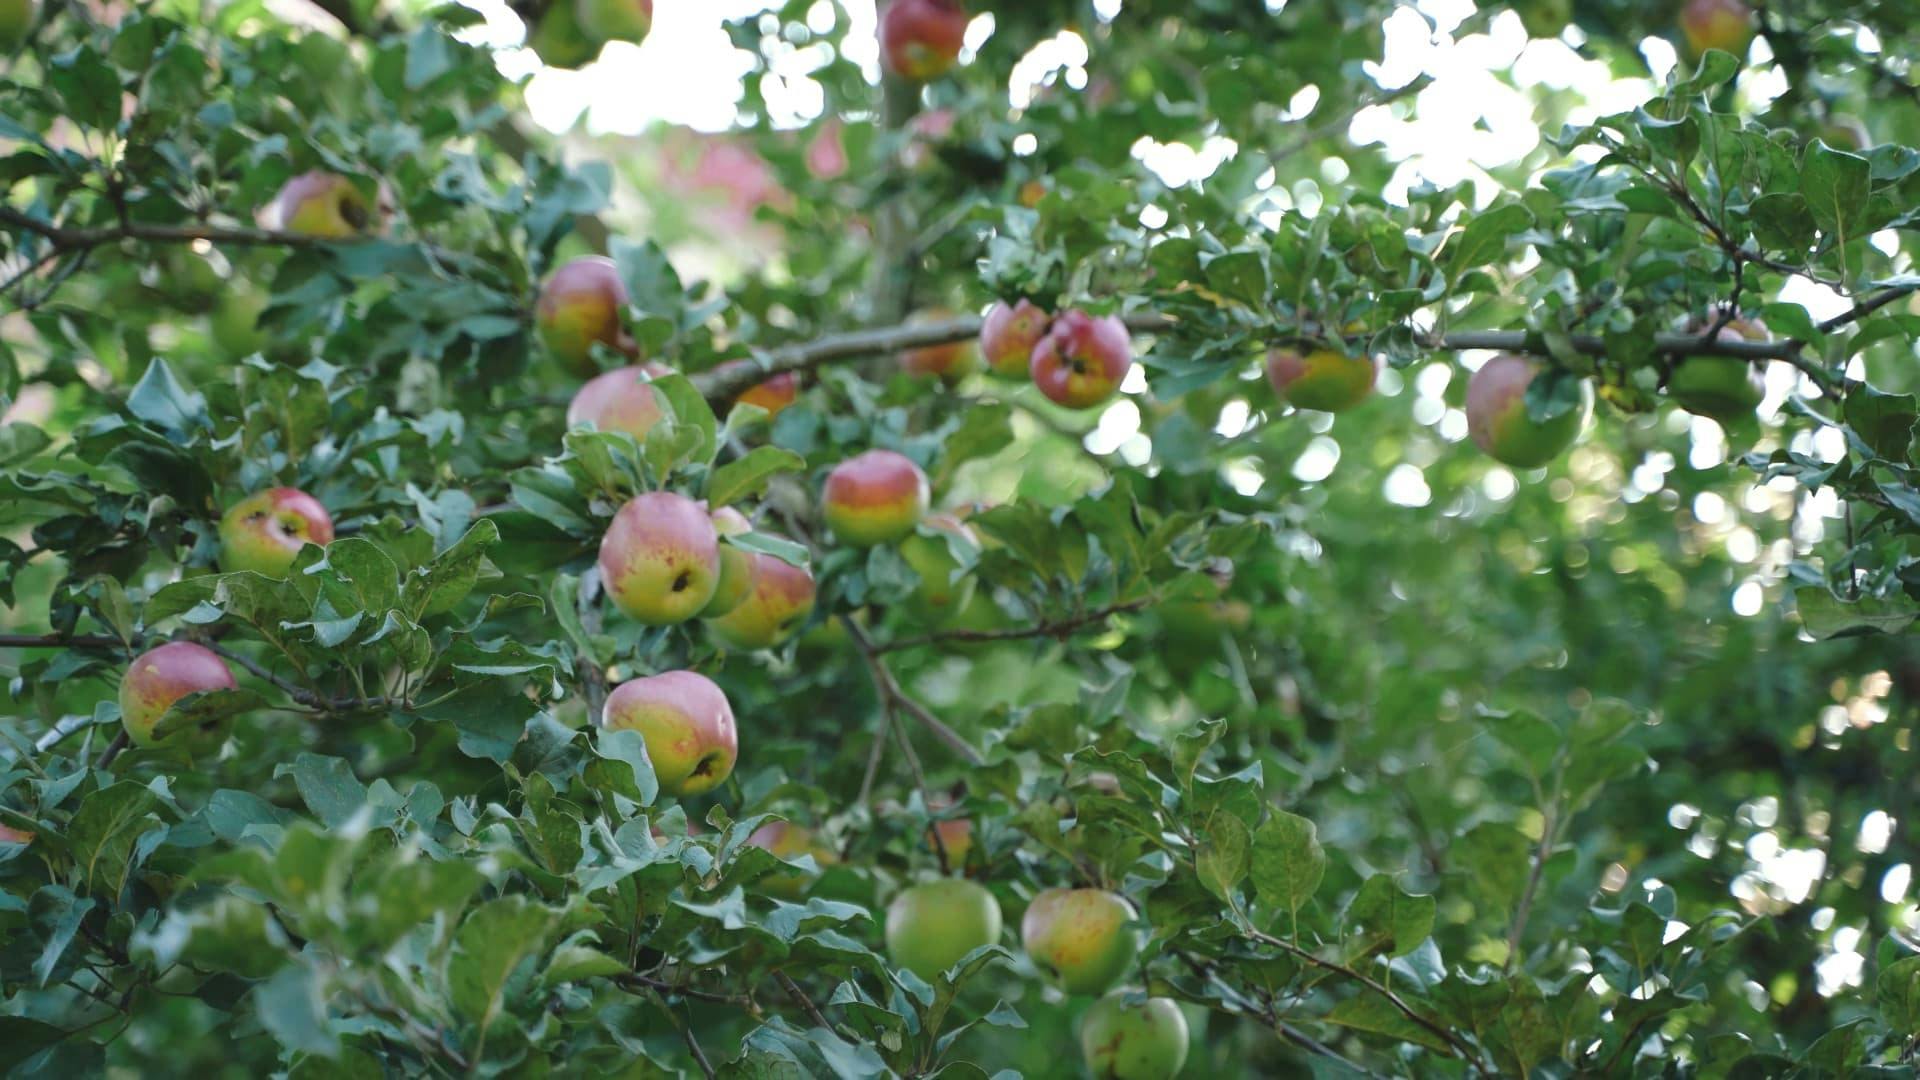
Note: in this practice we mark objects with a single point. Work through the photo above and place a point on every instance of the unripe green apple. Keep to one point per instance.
(325, 205)
(1008, 336)
(736, 565)
(16, 21)
(558, 40)
(874, 498)
(1726, 25)
(1082, 359)
(1325, 380)
(932, 925)
(1080, 938)
(1127, 1039)
(773, 612)
(579, 307)
(1545, 18)
(928, 551)
(660, 559)
(773, 394)
(789, 841)
(1722, 387)
(1846, 132)
(265, 531)
(1497, 415)
(687, 724)
(615, 20)
(161, 676)
(619, 400)
(920, 40)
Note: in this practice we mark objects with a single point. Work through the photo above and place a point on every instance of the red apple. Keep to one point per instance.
(687, 724)
(773, 394)
(736, 565)
(161, 676)
(789, 841)
(773, 612)
(1008, 336)
(325, 205)
(875, 498)
(920, 39)
(615, 20)
(1082, 359)
(1717, 24)
(265, 531)
(1498, 420)
(1325, 380)
(660, 559)
(951, 361)
(579, 307)
(620, 400)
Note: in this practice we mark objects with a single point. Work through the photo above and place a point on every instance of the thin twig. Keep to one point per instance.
(793, 991)
(112, 751)
(1060, 628)
(889, 687)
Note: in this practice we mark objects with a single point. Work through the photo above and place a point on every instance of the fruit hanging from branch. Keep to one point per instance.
(876, 497)
(737, 565)
(931, 926)
(775, 609)
(660, 559)
(1008, 336)
(688, 726)
(619, 400)
(264, 532)
(1080, 938)
(1082, 359)
(920, 40)
(1125, 1037)
(579, 307)
(1323, 379)
(1501, 425)
(161, 676)
(327, 206)
(1721, 387)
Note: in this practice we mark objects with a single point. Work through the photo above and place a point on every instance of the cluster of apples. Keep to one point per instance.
(1076, 359)
(570, 33)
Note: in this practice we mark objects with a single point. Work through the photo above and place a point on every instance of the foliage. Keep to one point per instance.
(1411, 765)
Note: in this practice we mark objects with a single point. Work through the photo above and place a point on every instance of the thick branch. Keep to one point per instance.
(1061, 628)
(70, 239)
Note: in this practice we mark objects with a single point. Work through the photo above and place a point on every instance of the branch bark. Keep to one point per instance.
(889, 689)
(1061, 628)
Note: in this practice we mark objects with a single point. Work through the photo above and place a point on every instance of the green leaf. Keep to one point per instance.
(292, 1005)
(628, 769)
(1484, 240)
(1825, 615)
(103, 833)
(160, 400)
(490, 945)
(328, 787)
(21, 1038)
(1383, 915)
(1223, 857)
(207, 709)
(1837, 185)
(748, 476)
(1288, 861)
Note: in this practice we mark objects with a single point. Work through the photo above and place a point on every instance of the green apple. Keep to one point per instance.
(1721, 387)
(932, 925)
(558, 40)
(161, 676)
(16, 21)
(660, 559)
(1324, 380)
(1080, 938)
(325, 205)
(929, 551)
(687, 724)
(1127, 1037)
(615, 20)
(774, 610)
(736, 564)
(265, 531)
(1498, 420)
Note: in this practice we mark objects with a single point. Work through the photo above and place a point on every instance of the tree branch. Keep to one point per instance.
(1061, 628)
(889, 689)
(69, 239)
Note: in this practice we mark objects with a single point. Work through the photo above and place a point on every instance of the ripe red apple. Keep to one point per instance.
(1721, 387)
(325, 205)
(14, 836)
(687, 724)
(920, 39)
(1082, 359)
(1008, 336)
(874, 498)
(660, 559)
(773, 612)
(580, 307)
(736, 565)
(1325, 380)
(615, 20)
(789, 841)
(1124, 1038)
(773, 394)
(951, 362)
(161, 676)
(1497, 414)
(1717, 24)
(955, 837)
(932, 925)
(266, 530)
(1080, 938)
(939, 596)
(619, 400)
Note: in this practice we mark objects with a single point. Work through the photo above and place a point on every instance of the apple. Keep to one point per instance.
(827, 152)
(1324, 380)
(687, 724)
(1497, 414)
(325, 205)
(920, 39)
(235, 322)
(773, 612)
(1726, 25)
(615, 20)
(266, 530)
(773, 394)
(736, 565)
(1545, 18)
(955, 836)
(14, 836)
(16, 21)
(875, 498)
(1080, 938)
(932, 925)
(939, 596)
(558, 39)
(619, 400)
(786, 840)
(1082, 359)
(660, 559)
(580, 307)
(1721, 387)
(1032, 192)
(1124, 1037)
(1008, 336)
(950, 362)
(161, 676)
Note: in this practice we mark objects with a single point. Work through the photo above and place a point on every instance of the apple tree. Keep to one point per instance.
(1073, 549)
